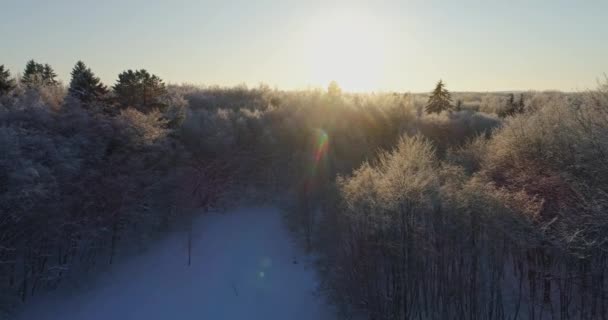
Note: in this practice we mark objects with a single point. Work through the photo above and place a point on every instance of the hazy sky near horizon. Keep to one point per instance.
(364, 45)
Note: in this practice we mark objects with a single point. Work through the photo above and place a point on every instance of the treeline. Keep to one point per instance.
(439, 206)
(88, 171)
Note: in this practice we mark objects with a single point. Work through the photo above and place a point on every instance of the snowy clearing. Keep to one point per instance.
(242, 268)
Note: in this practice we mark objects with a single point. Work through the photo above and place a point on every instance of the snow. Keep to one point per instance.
(242, 268)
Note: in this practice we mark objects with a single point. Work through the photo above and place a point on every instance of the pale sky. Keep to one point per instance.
(364, 45)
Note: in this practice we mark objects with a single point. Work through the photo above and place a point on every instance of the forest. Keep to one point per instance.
(439, 205)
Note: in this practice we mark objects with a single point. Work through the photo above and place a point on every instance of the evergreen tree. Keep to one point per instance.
(85, 85)
(512, 108)
(509, 108)
(140, 89)
(440, 99)
(32, 75)
(37, 74)
(49, 75)
(458, 106)
(127, 88)
(511, 101)
(6, 82)
(521, 104)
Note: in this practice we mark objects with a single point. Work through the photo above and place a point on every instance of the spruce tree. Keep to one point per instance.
(32, 75)
(153, 89)
(139, 89)
(85, 85)
(49, 75)
(521, 104)
(509, 108)
(440, 99)
(6, 82)
(512, 108)
(37, 75)
(511, 102)
(458, 106)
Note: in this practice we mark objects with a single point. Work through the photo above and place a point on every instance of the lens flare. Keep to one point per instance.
(320, 150)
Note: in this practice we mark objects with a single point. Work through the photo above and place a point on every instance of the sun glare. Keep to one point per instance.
(349, 48)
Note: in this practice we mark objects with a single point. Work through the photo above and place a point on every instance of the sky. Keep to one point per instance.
(363, 45)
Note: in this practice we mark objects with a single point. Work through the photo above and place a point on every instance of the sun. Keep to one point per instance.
(346, 47)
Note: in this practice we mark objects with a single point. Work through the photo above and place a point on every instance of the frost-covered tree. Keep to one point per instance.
(85, 85)
(333, 89)
(140, 89)
(6, 82)
(440, 99)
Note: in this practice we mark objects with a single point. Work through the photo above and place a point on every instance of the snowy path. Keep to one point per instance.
(242, 268)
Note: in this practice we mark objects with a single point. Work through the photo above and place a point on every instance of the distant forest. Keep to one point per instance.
(419, 206)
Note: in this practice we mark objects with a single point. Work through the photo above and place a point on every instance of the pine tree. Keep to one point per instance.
(509, 108)
(511, 102)
(32, 75)
(85, 85)
(153, 89)
(440, 99)
(512, 108)
(140, 89)
(37, 75)
(127, 88)
(458, 106)
(49, 75)
(521, 104)
(6, 82)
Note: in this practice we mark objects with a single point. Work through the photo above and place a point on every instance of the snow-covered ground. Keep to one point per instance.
(242, 268)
